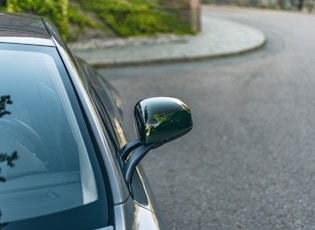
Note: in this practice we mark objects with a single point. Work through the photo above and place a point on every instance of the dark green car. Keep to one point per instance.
(65, 160)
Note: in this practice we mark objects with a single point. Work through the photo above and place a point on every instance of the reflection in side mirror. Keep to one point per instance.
(159, 120)
(162, 119)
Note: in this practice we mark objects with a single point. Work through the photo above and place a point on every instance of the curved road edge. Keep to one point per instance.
(218, 38)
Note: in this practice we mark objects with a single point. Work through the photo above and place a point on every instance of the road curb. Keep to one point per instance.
(177, 60)
(219, 38)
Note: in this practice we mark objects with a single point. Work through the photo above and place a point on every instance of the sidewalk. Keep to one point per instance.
(218, 38)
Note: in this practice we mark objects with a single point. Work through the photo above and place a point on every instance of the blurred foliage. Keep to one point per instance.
(5, 157)
(75, 17)
(124, 17)
(135, 17)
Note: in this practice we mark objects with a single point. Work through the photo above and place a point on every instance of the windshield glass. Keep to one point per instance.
(45, 166)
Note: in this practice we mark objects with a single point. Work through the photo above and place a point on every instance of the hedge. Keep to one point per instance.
(125, 18)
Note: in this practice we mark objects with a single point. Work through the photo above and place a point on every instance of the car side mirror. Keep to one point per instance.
(162, 119)
(158, 120)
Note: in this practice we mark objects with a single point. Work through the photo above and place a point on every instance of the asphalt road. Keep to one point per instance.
(249, 162)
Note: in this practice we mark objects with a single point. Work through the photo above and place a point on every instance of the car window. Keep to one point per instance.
(108, 104)
(52, 171)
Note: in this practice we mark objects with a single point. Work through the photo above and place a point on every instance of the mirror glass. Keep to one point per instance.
(162, 119)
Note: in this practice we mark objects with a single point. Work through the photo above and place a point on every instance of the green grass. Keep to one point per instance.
(123, 17)
(135, 17)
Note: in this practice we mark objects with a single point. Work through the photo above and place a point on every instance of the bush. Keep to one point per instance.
(135, 17)
(125, 18)
(75, 17)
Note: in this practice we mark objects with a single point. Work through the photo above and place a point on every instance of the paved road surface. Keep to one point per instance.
(249, 162)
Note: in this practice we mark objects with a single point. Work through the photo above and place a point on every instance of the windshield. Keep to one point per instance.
(45, 165)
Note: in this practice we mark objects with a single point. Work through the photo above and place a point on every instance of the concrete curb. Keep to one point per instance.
(219, 38)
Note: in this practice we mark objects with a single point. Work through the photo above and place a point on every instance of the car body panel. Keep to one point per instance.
(141, 219)
(23, 29)
(133, 205)
(108, 103)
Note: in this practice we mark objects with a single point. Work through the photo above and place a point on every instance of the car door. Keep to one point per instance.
(109, 107)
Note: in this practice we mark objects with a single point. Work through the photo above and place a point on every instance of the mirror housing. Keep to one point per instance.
(162, 119)
(159, 120)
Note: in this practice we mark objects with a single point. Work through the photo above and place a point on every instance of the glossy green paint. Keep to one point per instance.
(162, 119)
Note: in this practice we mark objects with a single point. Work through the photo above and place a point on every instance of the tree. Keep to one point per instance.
(5, 157)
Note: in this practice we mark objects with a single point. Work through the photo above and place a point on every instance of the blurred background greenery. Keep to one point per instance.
(115, 18)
